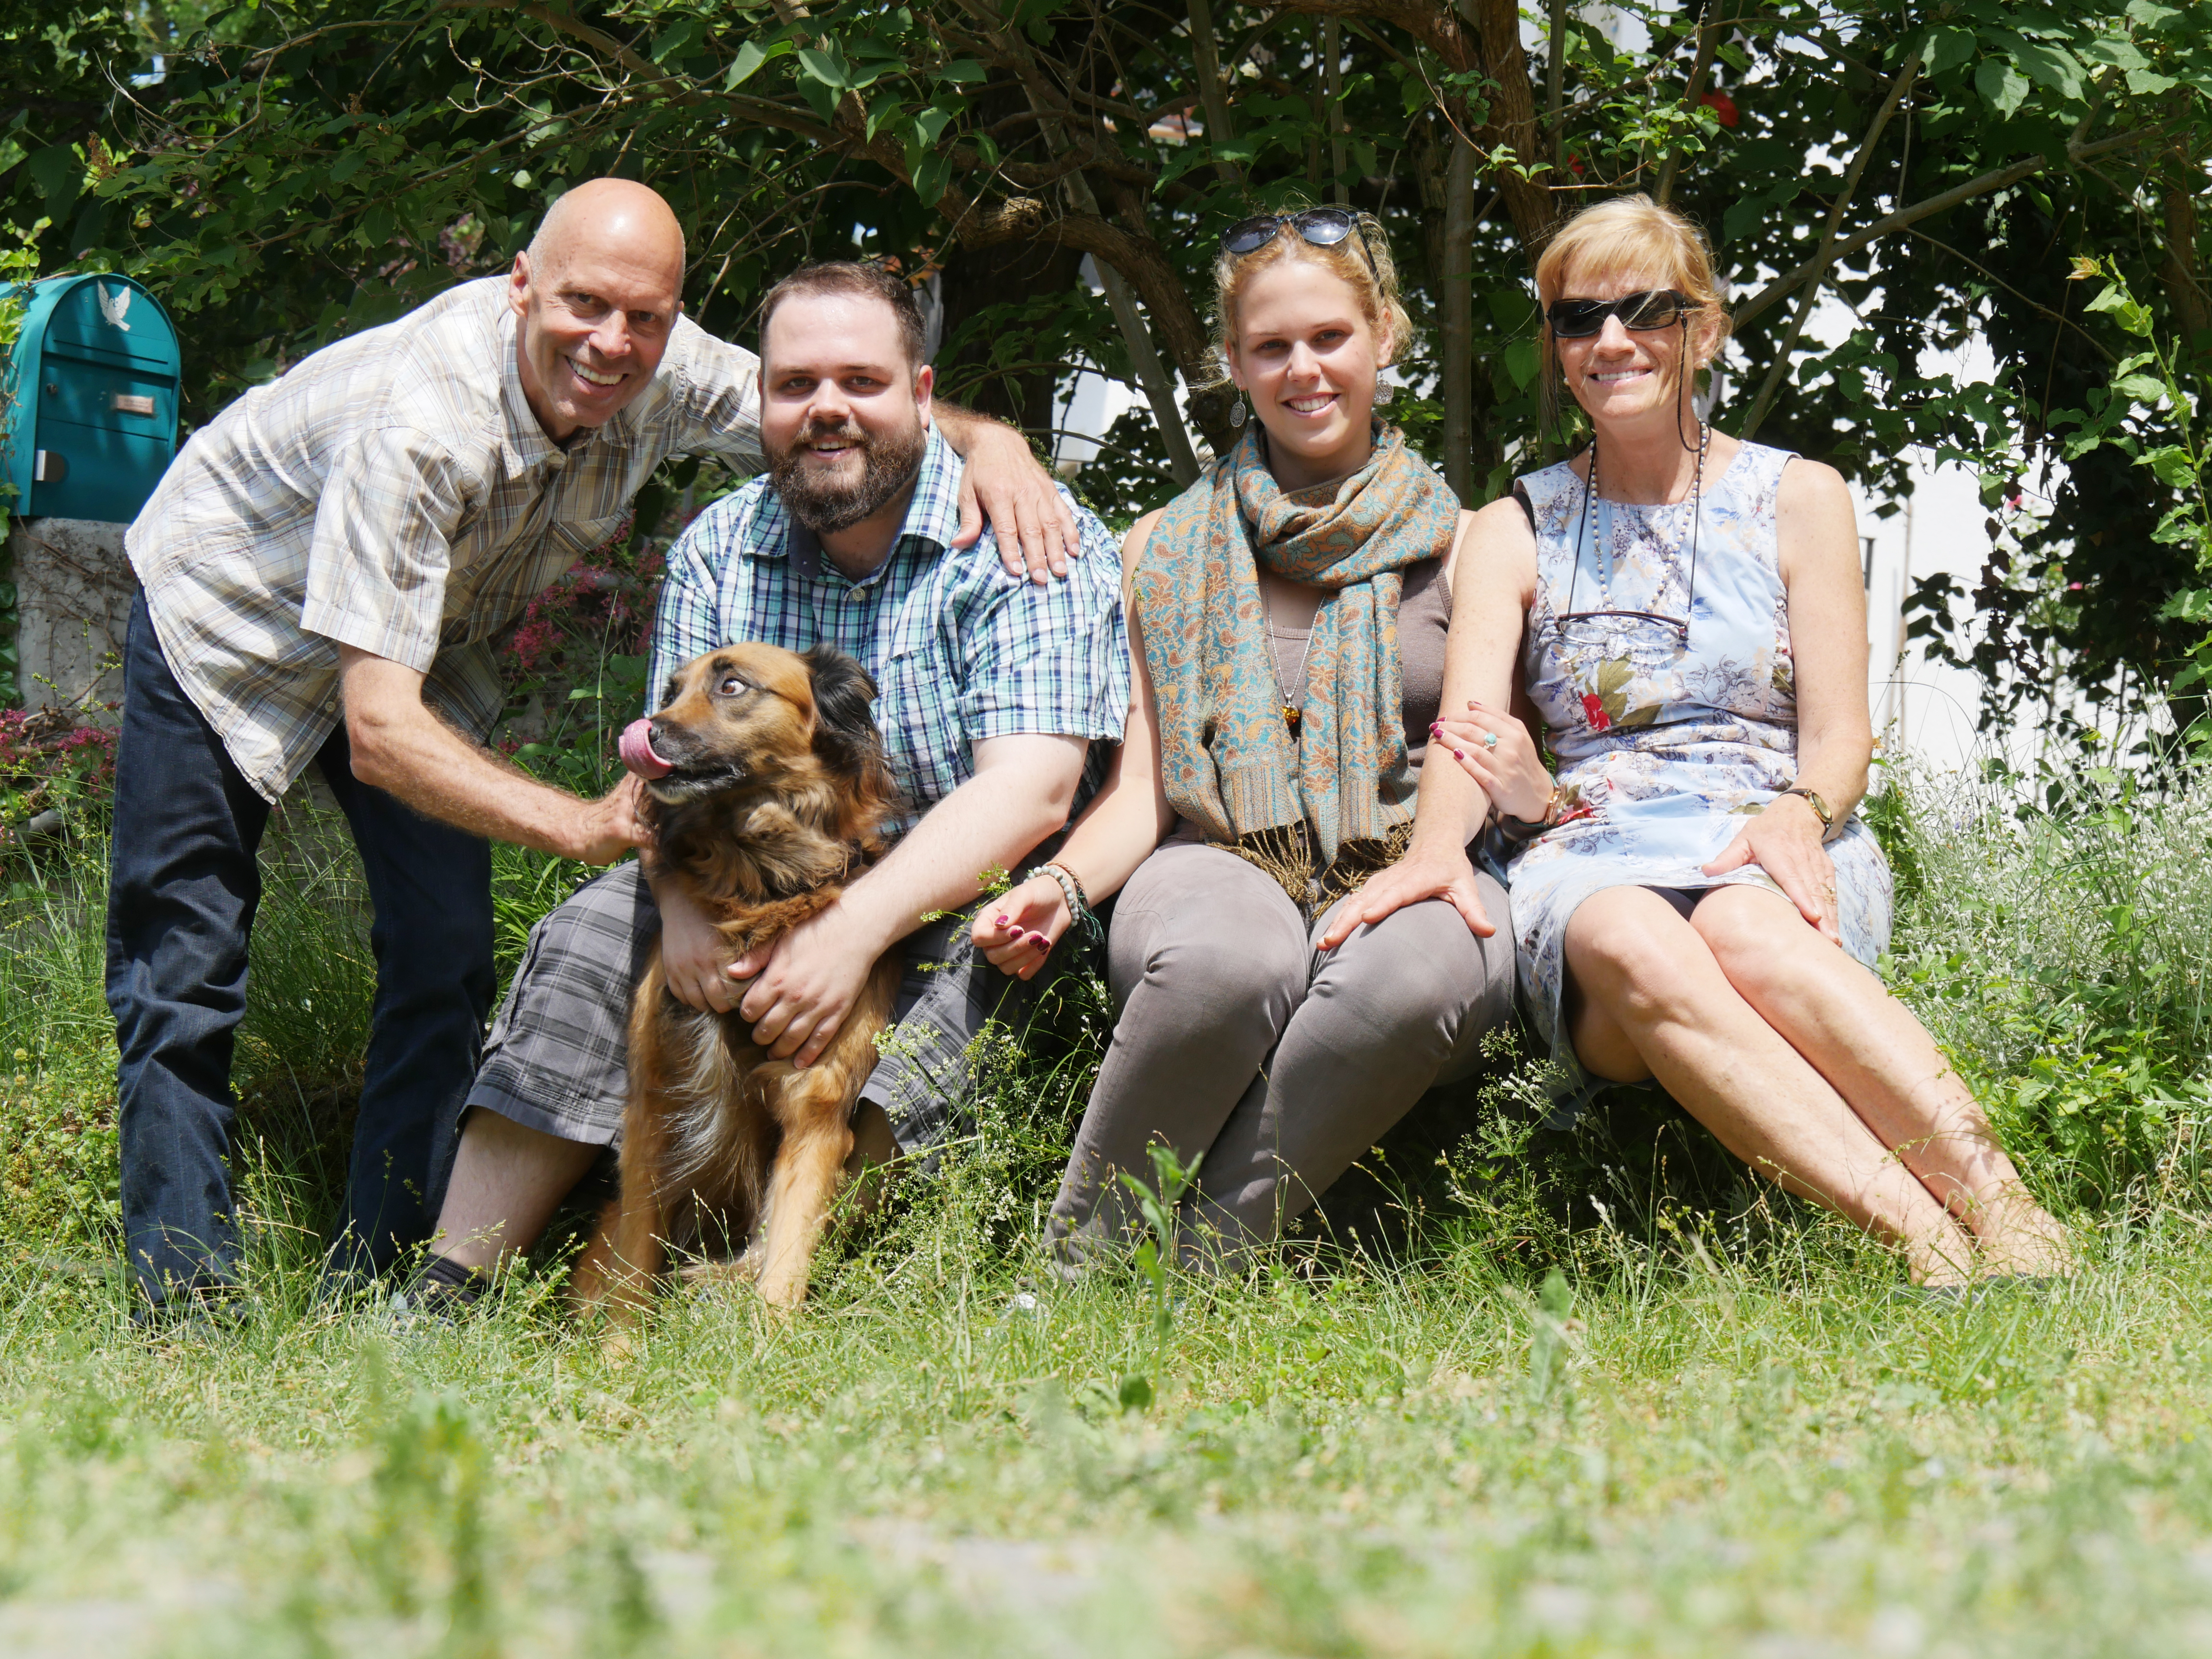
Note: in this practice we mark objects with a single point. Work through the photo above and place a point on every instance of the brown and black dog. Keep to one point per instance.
(766, 793)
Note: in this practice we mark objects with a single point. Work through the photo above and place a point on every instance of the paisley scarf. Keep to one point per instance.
(1310, 810)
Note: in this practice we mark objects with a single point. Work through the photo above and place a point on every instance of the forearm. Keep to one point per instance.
(1117, 832)
(994, 820)
(426, 764)
(963, 427)
(1452, 808)
(1833, 765)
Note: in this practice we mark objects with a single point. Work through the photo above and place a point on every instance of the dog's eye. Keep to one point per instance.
(732, 685)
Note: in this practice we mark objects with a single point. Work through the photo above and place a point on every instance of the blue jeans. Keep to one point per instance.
(183, 889)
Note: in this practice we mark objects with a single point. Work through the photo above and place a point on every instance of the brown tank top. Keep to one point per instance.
(1423, 621)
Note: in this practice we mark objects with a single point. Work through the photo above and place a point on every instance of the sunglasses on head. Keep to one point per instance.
(1322, 227)
(1653, 308)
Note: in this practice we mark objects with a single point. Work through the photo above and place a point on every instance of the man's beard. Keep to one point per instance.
(826, 505)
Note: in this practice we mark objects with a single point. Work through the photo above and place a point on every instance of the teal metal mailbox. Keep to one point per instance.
(91, 416)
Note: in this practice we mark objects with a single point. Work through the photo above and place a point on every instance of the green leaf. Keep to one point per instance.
(2140, 387)
(2172, 466)
(2052, 66)
(58, 172)
(1524, 358)
(2117, 49)
(2130, 314)
(961, 68)
(750, 56)
(2149, 83)
(2001, 86)
(2152, 15)
(1947, 48)
(349, 164)
(676, 37)
(931, 177)
(825, 67)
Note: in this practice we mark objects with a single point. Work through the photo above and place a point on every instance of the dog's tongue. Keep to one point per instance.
(637, 751)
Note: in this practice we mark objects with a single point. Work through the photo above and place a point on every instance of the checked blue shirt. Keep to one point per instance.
(961, 652)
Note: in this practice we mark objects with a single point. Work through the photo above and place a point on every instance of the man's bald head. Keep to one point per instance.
(602, 213)
(598, 293)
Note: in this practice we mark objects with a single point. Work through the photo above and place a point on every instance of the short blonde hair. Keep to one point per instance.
(1630, 232)
(1376, 287)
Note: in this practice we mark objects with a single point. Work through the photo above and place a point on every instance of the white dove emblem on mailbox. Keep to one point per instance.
(113, 306)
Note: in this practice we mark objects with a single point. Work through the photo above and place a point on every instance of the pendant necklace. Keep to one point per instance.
(1293, 716)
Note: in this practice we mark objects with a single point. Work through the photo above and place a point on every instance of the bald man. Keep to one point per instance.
(325, 568)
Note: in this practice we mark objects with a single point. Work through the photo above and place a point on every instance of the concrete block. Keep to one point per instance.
(74, 588)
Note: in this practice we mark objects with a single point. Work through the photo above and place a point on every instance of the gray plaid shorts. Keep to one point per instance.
(557, 1056)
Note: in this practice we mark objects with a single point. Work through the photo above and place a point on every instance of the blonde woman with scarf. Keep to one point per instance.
(1287, 618)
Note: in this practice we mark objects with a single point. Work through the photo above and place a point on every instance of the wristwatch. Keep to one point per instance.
(1813, 799)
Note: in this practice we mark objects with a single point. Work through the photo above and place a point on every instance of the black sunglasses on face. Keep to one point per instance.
(1653, 308)
(1322, 227)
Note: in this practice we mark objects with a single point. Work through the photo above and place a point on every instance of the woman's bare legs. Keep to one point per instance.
(1654, 1001)
(1871, 1050)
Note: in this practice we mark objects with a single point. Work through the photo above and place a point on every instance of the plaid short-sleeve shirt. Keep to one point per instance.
(961, 651)
(394, 492)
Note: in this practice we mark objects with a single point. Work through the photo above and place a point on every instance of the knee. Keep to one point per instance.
(1630, 950)
(1420, 969)
(1750, 933)
(1201, 965)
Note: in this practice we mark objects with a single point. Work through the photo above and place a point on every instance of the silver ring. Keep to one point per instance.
(1489, 740)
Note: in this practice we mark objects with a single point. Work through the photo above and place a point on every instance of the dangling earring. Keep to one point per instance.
(1236, 413)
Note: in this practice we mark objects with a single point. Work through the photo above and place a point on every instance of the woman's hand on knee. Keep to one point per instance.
(1016, 932)
(1419, 875)
(1495, 749)
(1785, 841)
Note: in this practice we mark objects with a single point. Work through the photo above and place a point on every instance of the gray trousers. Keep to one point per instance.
(1237, 1040)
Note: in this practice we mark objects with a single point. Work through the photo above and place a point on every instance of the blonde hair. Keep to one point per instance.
(1630, 234)
(1376, 287)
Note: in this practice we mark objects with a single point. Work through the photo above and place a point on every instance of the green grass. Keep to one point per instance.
(1594, 1394)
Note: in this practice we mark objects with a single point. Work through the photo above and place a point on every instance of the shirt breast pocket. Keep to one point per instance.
(583, 537)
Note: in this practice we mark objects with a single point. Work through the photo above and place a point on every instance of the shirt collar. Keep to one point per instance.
(933, 519)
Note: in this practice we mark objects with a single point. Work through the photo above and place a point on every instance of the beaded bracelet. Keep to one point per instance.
(1080, 913)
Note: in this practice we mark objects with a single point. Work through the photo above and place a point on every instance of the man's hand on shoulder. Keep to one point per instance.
(1002, 485)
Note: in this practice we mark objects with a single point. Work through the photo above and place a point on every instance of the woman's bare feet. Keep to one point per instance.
(2016, 1236)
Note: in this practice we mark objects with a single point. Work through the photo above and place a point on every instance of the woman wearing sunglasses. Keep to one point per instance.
(1287, 617)
(1695, 901)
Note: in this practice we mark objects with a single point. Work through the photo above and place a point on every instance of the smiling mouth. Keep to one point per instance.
(592, 377)
(1311, 404)
(1619, 376)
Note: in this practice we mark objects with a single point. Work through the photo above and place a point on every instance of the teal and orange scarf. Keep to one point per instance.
(1296, 806)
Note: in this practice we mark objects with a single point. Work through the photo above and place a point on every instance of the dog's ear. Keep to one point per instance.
(844, 729)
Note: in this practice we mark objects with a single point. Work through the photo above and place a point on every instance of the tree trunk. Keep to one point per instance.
(1456, 309)
(2178, 270)
(1011, 273)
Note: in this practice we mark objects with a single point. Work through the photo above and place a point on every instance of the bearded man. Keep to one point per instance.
(991, 692)
(325, 568)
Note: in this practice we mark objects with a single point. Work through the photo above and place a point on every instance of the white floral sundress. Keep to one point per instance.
(1664, 748)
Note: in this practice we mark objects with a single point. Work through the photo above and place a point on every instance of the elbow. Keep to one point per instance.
(1049, 809)
(371, 754)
